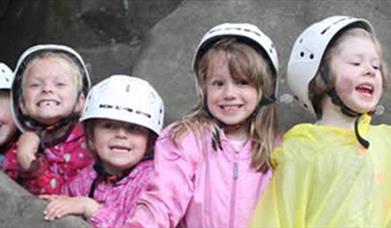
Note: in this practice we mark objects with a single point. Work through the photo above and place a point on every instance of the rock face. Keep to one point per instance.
(130, 36)
(108, 34)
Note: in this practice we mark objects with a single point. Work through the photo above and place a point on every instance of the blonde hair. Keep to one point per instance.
(244, 62)
(75, 69)
(318, 87)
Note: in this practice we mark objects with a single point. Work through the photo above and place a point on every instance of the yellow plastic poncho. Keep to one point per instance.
(324, 178)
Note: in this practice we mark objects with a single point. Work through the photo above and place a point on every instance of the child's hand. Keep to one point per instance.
(28, 144)
(61, 205)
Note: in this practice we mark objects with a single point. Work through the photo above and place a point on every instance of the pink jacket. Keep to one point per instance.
(56, 166)
(118, 200)
(199, 187)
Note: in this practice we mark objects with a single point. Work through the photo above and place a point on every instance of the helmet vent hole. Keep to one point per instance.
(296, 98)
(301, 40)
(302, 54)
(305, 105)
(312, 56)
(324, 30)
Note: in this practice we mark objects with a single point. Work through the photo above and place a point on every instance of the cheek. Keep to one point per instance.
(344, 88)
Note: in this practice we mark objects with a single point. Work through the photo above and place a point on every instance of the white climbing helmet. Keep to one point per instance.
(249, 33)
(30, 53)
(6, 77)
(308, 50)
(125, 98)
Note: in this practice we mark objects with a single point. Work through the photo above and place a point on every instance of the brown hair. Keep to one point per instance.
(318, 87)
(244, 62)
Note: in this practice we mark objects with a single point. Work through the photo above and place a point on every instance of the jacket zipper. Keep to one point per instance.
(233, 197)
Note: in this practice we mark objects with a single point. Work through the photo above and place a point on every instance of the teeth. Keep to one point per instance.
(120, 148)
(48, 103)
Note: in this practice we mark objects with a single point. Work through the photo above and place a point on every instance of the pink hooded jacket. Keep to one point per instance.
(117, 200)
(196, 186)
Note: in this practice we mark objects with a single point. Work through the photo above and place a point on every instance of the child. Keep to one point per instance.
(48, 94)
(333, 173)
(213, 166)
(8, 130)
(123, 117)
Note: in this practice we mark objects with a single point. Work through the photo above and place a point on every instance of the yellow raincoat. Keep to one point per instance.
(324, 178)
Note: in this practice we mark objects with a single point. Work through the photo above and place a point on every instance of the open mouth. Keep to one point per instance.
(365, 89)
(122, 149)
(230, 107)
(43, 103)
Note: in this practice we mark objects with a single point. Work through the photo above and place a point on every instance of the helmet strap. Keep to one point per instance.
(337, 101)
(333, 93)
(361, 140)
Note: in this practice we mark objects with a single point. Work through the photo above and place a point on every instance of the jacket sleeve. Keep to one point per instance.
(284, 204)
(167, 195)
(114, 214)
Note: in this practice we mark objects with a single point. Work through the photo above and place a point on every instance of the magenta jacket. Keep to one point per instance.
(196, 186)
(117, 200)
(56, 166)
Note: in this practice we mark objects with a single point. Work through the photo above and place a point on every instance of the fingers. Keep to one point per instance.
(57, 207)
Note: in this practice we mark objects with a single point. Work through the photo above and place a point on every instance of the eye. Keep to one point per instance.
(109, 125)
(34, 85)
(355, 63)
(242, 82)
(60, 84)
(217, 83)
(135, 129)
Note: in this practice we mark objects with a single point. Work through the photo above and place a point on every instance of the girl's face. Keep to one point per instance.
(7, 125)
(50, 90)
(356, 67)
(229, 100)
(119, 145)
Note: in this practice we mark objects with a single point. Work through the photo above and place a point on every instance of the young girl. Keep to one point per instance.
(213, 165)
(8, 129)
(123, 117)
(333, 173)
(48, 94)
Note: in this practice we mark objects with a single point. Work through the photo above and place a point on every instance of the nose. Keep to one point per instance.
(370, 70)
(121, 132)
(47, 88)
(229, 91)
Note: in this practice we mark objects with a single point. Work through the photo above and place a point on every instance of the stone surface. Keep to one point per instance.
(21, 209)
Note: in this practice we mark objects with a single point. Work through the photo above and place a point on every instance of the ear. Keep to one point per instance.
(22, 107)
(80, 103)
(91, 144)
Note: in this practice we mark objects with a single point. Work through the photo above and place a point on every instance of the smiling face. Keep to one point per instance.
(119, 145)
(7, 125)
(230, 100)
(50, 90)
(356, 66)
